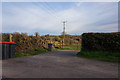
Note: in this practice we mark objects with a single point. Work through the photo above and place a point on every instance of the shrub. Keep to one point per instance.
(101, 42)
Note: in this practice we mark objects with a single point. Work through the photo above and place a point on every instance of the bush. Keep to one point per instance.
(101, 42)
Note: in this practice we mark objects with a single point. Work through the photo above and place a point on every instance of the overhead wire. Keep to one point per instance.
(51, 11)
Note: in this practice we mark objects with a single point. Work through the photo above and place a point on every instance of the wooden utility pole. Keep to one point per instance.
(64, 22)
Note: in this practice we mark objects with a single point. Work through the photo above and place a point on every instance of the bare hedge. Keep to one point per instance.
(24, 43)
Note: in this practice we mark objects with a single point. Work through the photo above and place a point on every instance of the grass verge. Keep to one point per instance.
(35, 52)
(70, 48)
(104, 56)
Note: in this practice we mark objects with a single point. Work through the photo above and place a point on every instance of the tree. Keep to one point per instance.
(47, 35)
(36, 34)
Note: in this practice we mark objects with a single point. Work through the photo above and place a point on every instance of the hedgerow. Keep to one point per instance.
(109, 42)
(24, 43)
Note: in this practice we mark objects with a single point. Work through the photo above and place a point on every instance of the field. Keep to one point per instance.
(72, 47)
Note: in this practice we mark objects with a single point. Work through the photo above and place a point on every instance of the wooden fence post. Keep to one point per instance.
(10, 37)
(77, 45)
(46, 44)
(50, 40)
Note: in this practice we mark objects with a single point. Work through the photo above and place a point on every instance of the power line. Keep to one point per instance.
(48, 9)
(51, 9)
(43, 8)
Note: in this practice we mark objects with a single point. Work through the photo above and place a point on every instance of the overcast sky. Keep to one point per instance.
(47, 17)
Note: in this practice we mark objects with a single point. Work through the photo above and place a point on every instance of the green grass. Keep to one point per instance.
(70, 48)
(54, 49)
(35, 52)
(51, 37)
(104, 56)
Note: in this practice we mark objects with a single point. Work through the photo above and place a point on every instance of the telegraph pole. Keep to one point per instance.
(64, 22)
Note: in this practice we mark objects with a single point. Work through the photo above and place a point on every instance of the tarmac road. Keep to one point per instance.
(58, 64)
